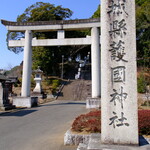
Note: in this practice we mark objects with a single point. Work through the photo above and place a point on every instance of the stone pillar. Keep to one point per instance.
(95, 57)
(60, 34)
(27, 65)
(119, 73)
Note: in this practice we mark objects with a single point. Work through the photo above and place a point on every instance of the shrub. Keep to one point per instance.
(144, 122)
(55, 85)
(20, 82)
(141, 84)
(146, 103)
(48, 82)
(91, 122)
(32, 82)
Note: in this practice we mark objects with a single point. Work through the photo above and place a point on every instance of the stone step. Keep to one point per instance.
(76, 90)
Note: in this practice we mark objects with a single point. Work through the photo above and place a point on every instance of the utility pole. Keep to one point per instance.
(62, 72)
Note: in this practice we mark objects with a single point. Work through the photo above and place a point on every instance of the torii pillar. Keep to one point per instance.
(96, 69)
(27, 65)
(94, 101)
(25, 100)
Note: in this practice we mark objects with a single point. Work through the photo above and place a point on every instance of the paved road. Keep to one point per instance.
(39, 128)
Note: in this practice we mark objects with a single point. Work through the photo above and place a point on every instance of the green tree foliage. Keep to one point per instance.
(97, 13)
(44, 12)
(48, 58)
(38, 12)
(142, 30)
(140, 2)
(42, 56)
(141, 84)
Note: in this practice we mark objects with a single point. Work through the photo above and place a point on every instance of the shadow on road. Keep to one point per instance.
(19, 113)
(66, 103)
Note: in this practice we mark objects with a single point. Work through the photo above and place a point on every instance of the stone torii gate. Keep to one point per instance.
(60, 26)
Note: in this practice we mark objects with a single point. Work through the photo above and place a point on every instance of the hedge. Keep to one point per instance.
(91, 122)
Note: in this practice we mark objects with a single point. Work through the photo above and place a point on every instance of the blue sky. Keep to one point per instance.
(10, 9)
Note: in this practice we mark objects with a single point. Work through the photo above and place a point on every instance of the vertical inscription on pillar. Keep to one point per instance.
(119, 98)
(118, 32)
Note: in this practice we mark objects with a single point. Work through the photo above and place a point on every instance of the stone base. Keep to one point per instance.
(82, 147)
(95, 144)
(93, 103)
(75, 139)
(25, 101)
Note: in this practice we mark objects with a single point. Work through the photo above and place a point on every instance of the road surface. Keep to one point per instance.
(39, 128)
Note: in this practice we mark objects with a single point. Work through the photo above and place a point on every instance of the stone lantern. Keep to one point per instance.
(38, 79)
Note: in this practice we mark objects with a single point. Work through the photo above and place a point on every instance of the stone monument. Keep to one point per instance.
(119, 73)
(4, 100)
